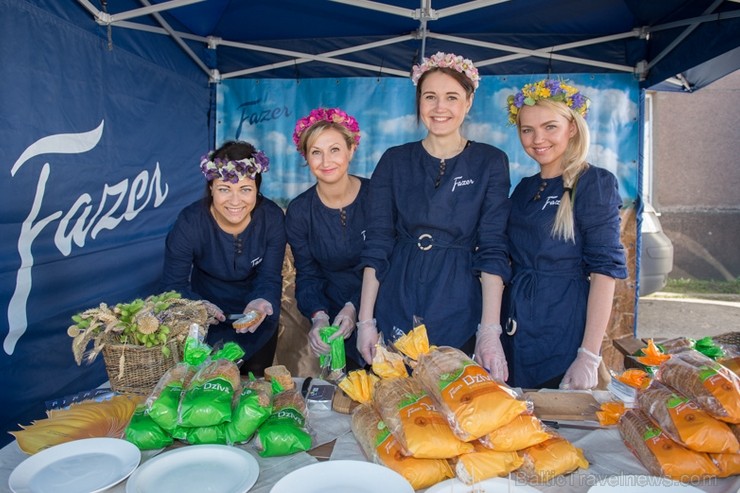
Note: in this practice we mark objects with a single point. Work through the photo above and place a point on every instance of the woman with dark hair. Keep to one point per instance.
(227, 249)
(436, 242)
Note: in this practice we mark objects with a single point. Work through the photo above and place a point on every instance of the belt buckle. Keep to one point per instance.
(428, 246)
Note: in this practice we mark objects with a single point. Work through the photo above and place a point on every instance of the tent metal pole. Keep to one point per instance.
(180, 42)
(678, 39)
(468, 6)
(381, 7)
(546, 52)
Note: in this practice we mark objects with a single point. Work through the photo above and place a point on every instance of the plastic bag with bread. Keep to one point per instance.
(551, 458)
(473, 402)
(381, 447)
(660, 455)
(163, 403)
(484, 463)
(285, 430)
(411, 415)
(208, 398)
(715, 388)
(523, 431)
(685, 422)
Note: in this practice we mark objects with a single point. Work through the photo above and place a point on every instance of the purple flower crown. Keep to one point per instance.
(333, 115)
(234, 170)
(446, 60)
(555, 90)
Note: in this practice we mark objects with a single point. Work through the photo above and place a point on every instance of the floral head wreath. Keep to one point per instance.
(446, 60)
(332, 115)
(554, 90)
(234, 170)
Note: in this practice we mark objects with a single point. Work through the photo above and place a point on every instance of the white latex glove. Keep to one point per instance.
(214, 311)
(261, 305)
(318, 322)
(489, 353)
(345, 320)
(367, 338)
(583, 372)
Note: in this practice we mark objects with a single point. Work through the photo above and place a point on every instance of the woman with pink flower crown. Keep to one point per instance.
(436, 245)
(326, 229)
(564, 243)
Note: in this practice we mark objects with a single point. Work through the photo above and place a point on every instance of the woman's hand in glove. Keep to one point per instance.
(319, 321)
(583, 373)
(345, 320)
(367, 338)
(489, 353)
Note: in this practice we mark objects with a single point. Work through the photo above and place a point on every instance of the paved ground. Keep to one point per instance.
(665, 315)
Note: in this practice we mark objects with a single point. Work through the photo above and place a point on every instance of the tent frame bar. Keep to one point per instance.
(424, 14)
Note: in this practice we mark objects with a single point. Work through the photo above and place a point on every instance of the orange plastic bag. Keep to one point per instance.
(729, 464)
(685, 422)
(551, 458)
(484, 463)
(659, 454)
(523, 431)
(381, 447)
(410, 414)
(472, 401)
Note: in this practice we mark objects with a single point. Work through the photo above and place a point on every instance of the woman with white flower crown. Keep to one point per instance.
(436, 246)
(228, 249)
(564, 243)
(326, 229)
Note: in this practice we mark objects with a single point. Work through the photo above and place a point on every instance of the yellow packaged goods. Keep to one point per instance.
(359, 386)
(660, 455)
(86, 419)
(484, 463)
(387, 364)
(685, 422)
(415, 343)
(523, 431)
(410, 414)
(551, 458)
(610, 413)
(472, 401)
(381, 447)
(281, 374)
(729, 464)
(715, 388)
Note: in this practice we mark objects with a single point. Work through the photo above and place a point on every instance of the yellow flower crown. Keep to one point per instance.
(555, 90)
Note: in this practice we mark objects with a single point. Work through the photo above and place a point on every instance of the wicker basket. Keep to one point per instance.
(137, 369)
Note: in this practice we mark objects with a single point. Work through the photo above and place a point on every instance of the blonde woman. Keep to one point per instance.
(326, 228)
(564, 244)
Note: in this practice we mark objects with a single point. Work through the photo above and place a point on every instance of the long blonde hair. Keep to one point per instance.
(573, 164)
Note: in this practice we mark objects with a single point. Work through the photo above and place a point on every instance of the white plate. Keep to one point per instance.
(493, 485)
(196, 468)
(81, 466)
(641, 484)
(343, 476)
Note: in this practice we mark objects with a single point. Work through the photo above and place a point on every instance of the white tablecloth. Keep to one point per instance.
(603, 448)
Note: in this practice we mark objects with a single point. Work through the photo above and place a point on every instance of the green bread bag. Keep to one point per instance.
(337, 358)
(284, 432)
(143, 432)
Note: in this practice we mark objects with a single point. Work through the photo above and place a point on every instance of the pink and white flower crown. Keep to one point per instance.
(446, 60)
(333, 115)
(234, 170)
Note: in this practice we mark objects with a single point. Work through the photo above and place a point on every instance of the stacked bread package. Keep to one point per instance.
(685, 424)
(451, 418)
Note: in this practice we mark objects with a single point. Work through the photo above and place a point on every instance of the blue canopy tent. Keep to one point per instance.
(106, 103)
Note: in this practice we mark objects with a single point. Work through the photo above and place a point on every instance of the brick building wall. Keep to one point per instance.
(696, 177)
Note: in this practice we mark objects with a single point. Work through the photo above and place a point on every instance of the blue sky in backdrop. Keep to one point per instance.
(264, 112)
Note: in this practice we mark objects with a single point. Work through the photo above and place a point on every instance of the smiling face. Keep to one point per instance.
(545, 134)
(443, 104)
(328, 156)
(233, 203)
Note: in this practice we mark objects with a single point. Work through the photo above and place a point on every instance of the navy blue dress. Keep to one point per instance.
(202, 261)
(428, 244)
(326, 245)
(548, 293)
